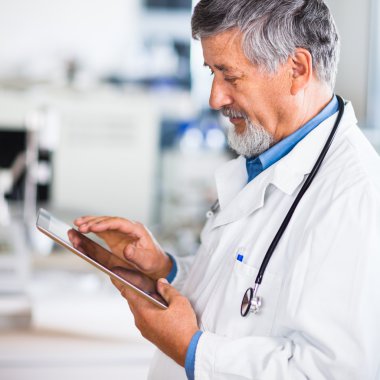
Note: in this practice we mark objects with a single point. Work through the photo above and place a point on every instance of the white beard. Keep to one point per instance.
(252, 142)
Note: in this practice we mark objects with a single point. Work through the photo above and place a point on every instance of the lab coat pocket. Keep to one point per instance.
(222, 314)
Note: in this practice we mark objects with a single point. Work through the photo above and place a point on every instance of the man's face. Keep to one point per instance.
(254, 101)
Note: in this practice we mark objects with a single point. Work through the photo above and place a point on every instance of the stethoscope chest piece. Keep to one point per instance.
(250, 303)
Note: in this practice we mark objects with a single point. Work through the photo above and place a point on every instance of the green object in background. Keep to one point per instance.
(5, 248)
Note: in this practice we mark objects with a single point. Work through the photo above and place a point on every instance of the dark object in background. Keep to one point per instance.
(168, 4)
(12, 144)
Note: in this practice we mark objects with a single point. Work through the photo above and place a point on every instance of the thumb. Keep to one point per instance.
(167, 291)
(135, 256)
(143, 259)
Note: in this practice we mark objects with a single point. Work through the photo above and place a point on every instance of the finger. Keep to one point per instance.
(167, 292)
(82, 224)
(84, 219)
(114, 224)
(73, 238)
(125, 292)
(86, 225)
(117, 283)
(135, 301)
(76, 240)
(134, 298)
(130, 295)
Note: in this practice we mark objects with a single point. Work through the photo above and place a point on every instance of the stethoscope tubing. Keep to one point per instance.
(301, 193)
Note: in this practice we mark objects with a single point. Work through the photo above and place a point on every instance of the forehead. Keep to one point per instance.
(225, 50)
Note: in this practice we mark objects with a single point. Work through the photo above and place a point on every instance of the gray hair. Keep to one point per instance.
(273, 29)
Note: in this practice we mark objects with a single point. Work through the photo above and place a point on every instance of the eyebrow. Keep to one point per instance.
(222, 68)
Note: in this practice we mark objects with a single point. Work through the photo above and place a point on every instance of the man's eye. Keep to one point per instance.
(230, 79)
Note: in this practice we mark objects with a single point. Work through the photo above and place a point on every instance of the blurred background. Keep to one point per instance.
(104, 110)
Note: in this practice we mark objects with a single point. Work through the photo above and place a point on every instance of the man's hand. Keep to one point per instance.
(170, 330)
(131, 241)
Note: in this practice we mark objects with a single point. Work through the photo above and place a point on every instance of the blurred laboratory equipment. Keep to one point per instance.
(17, 160)
(191, 151)
(26, 132)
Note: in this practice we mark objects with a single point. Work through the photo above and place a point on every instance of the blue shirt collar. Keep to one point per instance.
(258, 164)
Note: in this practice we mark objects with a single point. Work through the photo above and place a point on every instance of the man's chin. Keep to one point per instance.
(249, 142)
(239, 125)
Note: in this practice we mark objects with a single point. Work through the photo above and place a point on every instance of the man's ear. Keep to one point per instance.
(301, 63)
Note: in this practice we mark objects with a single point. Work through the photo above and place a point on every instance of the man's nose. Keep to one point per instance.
(219, 95)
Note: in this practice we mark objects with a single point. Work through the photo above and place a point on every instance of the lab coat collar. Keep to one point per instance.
(237, 199)
(230, 180)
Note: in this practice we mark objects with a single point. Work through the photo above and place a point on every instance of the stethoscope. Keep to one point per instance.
(251, 301)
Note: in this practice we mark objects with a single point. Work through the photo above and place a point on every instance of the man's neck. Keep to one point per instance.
(305, 107)
(313, 104)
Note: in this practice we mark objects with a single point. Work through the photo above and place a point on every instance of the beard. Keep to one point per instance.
(253, 141)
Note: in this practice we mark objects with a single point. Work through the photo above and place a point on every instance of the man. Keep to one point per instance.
(274, 65)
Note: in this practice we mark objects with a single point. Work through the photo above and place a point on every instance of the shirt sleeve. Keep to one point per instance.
(332, 306)
(190, 355)
(173, 273)
(179, 271)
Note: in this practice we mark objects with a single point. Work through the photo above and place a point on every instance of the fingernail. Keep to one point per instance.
(163, 281)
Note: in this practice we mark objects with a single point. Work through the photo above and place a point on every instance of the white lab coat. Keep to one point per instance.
(321, 290)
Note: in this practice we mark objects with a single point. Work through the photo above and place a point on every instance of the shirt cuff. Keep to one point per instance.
(173, 272)
(190, 355)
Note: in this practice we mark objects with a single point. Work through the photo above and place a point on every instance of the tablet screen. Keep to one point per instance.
(98, 256)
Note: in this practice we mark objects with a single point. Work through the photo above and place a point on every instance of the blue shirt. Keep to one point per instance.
(173, 271)
(254, 167)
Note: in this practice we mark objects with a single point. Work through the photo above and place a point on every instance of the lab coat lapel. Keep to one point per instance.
(242, 200)
(230, 179)
(238, 199)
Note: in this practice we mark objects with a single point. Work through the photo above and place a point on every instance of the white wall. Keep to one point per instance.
(374, 72)
(36, 35)
(353, 21)
(106, 160)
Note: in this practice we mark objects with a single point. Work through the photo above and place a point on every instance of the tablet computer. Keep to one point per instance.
(99, 257)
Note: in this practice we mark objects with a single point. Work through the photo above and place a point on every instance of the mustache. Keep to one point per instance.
(230, 112)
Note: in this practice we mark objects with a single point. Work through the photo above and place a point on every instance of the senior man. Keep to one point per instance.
(274, 64)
